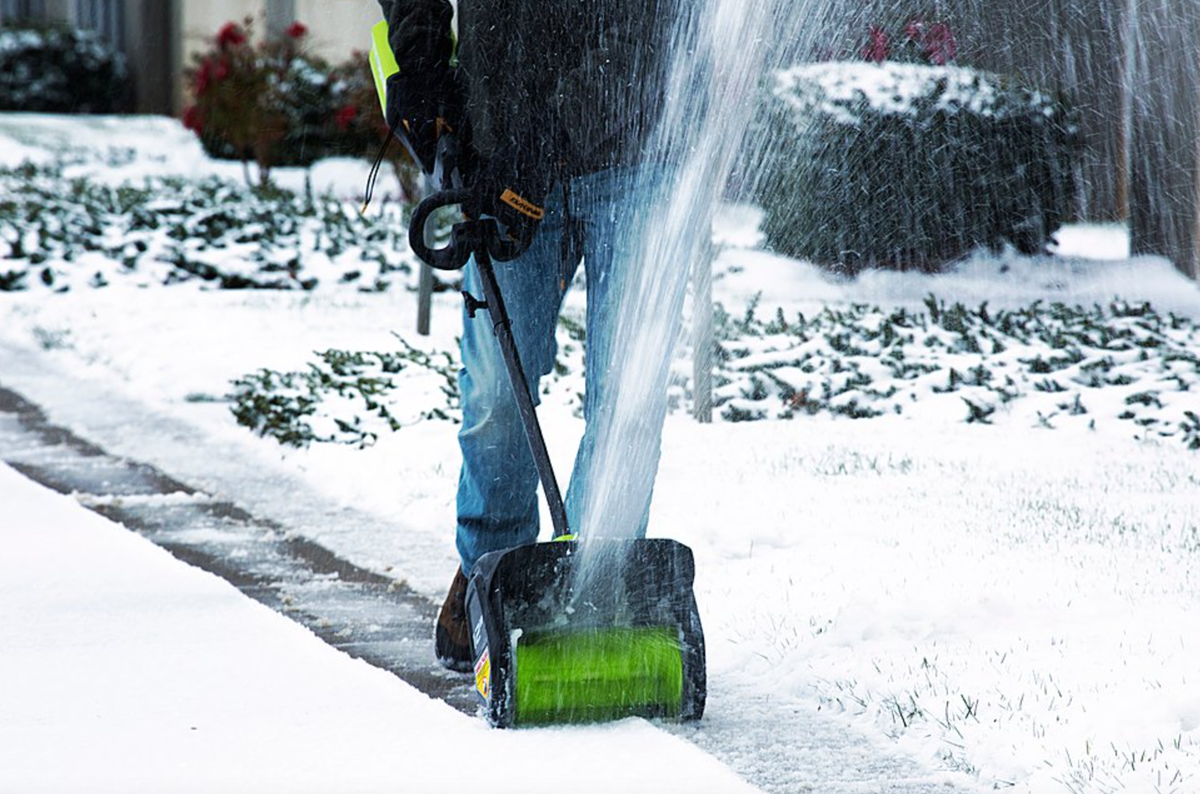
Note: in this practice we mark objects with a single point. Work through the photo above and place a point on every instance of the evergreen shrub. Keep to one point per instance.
(910, 166)
(53, 69)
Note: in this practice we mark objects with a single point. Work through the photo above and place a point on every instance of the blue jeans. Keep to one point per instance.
(497, 491)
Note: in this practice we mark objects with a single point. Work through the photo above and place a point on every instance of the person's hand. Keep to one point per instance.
(511, 191)
(415, 110)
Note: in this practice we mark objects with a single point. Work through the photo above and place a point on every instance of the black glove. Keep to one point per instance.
(419, 109)
(511, 186)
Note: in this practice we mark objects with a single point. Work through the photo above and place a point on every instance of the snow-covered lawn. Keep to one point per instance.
(1009, 601)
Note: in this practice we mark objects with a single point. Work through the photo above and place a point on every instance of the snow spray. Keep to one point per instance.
(710, 89)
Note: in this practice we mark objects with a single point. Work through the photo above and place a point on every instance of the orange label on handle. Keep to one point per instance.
(521, 205)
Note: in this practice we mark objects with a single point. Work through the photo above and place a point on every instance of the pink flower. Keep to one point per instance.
(877, 48)
(296, 30)
(915, 30)
(230, 35)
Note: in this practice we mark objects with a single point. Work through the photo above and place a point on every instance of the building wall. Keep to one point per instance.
(16, 10)
(338, 27)
(58, 9)
(150, 43)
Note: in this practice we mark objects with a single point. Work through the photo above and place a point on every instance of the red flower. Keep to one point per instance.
(940, 44)
(296, 30)
(231, 35)
(345, 117)
(877, 48)
(222, 70)
(192, 119)
(204, 76)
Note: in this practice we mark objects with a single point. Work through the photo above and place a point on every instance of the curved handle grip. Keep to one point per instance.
(465, 239)
(453, 256)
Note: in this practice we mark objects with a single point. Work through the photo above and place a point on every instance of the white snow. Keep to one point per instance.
(125, 670)
(842, 90)
(1017, 604)
(121, 149)
(1092, 266)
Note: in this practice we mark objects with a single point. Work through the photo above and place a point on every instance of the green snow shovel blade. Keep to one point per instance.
(593, 675)
(553, 645)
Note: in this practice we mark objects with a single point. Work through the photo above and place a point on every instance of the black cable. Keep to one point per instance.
(373, 176)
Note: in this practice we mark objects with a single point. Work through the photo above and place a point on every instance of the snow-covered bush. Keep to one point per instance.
(910, 166)
(60, 234)
(357, 397)
(60, 70)
(348, 397)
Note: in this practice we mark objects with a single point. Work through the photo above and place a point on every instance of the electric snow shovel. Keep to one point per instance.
(555, 641)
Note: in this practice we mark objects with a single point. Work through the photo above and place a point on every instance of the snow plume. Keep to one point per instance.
(710, 92)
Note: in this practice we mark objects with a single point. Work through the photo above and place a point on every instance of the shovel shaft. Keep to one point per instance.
(494, 303)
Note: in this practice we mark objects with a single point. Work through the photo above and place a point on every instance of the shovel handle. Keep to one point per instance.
(465, 238)
(453, 256)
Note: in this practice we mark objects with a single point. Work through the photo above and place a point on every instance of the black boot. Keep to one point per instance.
(452, 640)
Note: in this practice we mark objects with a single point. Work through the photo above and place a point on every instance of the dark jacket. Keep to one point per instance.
(574, 84)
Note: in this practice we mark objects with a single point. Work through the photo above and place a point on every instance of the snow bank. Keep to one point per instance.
(118, 149)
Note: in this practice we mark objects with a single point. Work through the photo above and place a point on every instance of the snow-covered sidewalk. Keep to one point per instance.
(125, 670)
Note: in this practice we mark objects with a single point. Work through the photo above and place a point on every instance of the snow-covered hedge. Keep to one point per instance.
(60, 234)
(60, 70)
(1121, 368)
(1041, 366)
(356, 396)
(348, 397)
(910, 166)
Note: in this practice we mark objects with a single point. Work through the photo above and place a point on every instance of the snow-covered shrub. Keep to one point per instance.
(910, 166)
(357, 397)
(60, 234)
(60, 70)
(1047, 366)
(348, 397)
